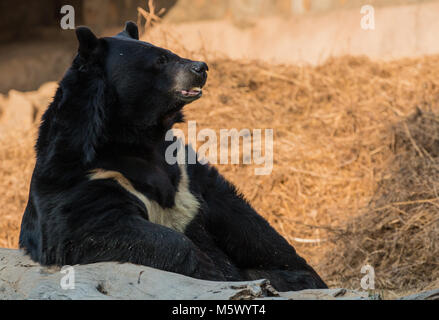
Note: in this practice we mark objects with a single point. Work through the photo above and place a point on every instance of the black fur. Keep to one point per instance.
(112, 111)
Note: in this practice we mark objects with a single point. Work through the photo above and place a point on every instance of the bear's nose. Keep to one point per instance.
(199, 67)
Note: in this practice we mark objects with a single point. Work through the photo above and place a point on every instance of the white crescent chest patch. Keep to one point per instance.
(178, 217)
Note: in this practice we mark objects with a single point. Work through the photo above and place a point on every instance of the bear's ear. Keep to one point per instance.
(87, 41)
(132, 30)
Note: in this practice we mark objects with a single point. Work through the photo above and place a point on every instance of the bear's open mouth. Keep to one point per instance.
(190, 94)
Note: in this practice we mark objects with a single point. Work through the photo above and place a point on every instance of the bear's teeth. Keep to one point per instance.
(193, 92)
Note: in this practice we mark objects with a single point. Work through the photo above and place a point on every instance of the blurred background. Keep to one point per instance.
(279, 31)
(354, 112)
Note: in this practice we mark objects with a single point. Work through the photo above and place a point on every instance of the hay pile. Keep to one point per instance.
(349, 187)
(398, 232)
(16, 165)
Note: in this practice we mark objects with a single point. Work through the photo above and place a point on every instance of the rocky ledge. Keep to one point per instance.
(21, 278)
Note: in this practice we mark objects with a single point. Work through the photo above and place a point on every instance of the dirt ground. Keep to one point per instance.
(344, 146)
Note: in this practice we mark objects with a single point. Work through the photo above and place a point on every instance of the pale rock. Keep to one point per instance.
(21, 278)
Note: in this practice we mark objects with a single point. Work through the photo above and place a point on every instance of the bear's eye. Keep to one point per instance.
(162, 59)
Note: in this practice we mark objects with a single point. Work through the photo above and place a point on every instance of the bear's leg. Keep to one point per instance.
(203, 240)
(135, 240)
(247, 238)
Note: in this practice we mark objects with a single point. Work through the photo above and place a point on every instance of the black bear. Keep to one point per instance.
(102, 189)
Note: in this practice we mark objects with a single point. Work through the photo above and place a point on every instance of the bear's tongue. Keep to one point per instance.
(192, 92)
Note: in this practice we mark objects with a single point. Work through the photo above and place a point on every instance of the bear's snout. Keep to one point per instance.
(196, 72)
(190, 79)
(199, 67)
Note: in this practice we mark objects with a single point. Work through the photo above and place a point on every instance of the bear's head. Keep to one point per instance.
(121, 90)
(149, 81)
